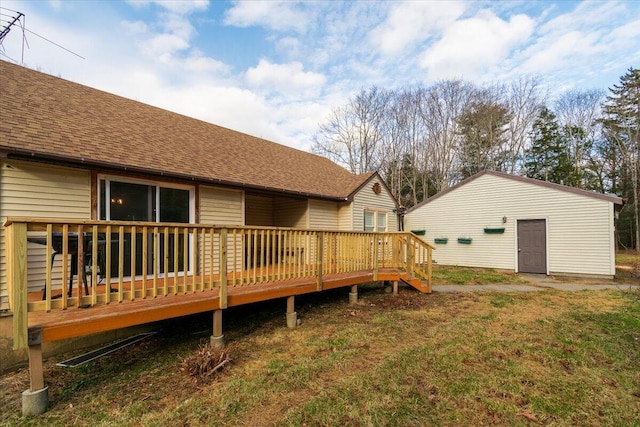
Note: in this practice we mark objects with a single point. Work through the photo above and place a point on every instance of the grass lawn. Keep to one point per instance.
(547, 358)
(454, 275)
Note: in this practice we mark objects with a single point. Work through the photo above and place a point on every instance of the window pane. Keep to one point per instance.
(174, 205)
(130, 202)
(382, 221)
(369, 224)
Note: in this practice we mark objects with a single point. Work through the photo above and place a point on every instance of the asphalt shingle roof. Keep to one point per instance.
(52, 118)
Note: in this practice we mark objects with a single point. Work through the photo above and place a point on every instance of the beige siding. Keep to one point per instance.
(31, 190)
(290, 212)
(221, 206)
(367, 199)
(323, 215)
(579, 228)
(258, 210)
(345, 216)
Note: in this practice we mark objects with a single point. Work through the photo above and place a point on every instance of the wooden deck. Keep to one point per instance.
(181, 269)
(78, 321)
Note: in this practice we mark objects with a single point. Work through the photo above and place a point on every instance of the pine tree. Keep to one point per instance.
(622, 126)
(548, 157)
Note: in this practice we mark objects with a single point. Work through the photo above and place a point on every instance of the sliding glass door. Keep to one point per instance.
(122, 200)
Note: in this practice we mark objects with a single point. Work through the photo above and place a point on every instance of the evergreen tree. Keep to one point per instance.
(483, 126)
(622, 126)
(548, 158)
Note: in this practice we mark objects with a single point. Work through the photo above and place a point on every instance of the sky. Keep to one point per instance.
(276, 69)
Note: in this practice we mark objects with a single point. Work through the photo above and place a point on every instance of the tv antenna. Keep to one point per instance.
(12, 18)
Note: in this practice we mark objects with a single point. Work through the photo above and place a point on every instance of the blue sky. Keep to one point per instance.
(276, 69)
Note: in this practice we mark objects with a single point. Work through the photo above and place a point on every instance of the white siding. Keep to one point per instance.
(366, 198)
(323, 215)
(37, 191)
(221, 206)
(579, 228)
(290, 212)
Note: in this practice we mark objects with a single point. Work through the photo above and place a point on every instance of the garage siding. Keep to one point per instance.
(579, 228)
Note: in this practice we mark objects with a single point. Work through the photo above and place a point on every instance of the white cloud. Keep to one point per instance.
(163, 46)
(410, 22)
(274, 15)
(200, 63)
(470, 46)
(560, 52)
(289, 47)
(285, 78)
(180, 7)
(134, 27)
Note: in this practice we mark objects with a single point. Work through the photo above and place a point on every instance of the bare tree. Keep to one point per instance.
(523, 99)
(352, 136)
(443, 103)
(578, 113)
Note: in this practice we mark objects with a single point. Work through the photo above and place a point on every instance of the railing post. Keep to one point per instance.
(17, 262)
(410, 253)
(376, 244)
(429, 266)
(320, 259)
(223, 268)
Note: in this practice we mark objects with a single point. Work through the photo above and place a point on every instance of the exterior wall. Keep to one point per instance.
(38, 191)
(367, 199)
(221, 206)
(258, 210)
(290, 212)
(579, 228)
(345, 216)
(323, 215)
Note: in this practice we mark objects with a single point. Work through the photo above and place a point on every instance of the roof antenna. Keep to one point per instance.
(18, 18)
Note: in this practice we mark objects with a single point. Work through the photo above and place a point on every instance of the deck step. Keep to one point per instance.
(418, 284)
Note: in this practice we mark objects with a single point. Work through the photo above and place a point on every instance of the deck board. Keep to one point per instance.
(75, 321)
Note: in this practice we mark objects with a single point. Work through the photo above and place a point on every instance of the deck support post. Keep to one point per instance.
(35, 400)
(217, 339)
(395, 287)
(292, 316)
(353, 295)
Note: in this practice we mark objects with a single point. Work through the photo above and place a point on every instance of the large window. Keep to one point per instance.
(121, 200)
(375, 221)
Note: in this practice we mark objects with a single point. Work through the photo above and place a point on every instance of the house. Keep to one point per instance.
(76, 154)
(497, 220)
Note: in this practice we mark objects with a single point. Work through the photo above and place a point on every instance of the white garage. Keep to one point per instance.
(497, 220)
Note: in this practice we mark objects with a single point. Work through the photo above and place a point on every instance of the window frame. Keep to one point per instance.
(378, 214)
(157, 186)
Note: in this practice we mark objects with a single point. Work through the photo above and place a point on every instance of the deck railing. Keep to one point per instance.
(87, 263)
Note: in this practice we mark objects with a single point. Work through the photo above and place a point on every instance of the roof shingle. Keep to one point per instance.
(49, 117)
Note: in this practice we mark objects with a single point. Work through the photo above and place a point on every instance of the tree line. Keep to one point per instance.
(423, 140)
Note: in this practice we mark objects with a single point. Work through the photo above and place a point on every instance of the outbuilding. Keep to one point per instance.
(497, 220)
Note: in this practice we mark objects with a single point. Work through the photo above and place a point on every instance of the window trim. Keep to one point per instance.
(376, 219)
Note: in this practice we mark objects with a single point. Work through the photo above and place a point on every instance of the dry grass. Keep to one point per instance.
(544, 358)
(628, 266)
